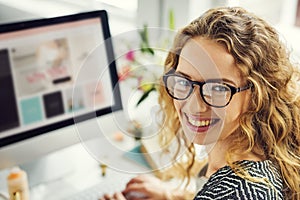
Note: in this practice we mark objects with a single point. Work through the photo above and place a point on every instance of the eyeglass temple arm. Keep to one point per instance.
(244, 88)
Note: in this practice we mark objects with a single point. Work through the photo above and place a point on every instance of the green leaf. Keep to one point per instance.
(145, 95)
(171, 20)
(147, 50)
(145, 47)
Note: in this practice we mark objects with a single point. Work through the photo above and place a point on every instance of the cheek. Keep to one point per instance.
(231, 121)
(235, 109)
(233, 112)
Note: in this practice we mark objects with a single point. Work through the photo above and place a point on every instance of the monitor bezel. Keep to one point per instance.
(35, 23)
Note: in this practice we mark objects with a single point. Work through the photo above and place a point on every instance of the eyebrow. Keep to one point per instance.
(217, 79)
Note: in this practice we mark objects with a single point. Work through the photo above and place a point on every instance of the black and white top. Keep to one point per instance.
(226, 185)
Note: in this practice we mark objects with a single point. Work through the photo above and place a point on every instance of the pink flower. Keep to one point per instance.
(130, 55)
(125, 73)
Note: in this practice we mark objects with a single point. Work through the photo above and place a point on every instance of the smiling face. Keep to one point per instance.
(202, 60)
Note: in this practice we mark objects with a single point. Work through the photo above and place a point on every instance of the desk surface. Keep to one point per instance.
(84, 173)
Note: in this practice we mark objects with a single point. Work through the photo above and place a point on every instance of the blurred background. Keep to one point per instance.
(130, 14)
(125, 15)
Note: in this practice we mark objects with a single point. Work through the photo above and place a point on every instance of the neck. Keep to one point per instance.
(217, 156)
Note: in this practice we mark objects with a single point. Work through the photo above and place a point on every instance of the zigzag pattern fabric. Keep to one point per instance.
(226, 185)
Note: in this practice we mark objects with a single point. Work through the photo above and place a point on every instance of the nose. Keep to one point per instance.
(195, 102)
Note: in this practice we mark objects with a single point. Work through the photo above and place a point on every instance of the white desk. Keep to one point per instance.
(85, 172)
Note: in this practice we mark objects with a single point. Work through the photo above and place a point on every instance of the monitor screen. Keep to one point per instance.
(55, 72)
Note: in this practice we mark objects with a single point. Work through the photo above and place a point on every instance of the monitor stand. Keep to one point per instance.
(47, 169)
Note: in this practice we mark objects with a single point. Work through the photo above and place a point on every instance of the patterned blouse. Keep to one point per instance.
(226, 185)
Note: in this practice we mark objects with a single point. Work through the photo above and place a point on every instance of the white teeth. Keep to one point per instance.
(199, 123)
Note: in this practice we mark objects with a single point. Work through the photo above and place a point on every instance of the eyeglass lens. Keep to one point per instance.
(213, 93)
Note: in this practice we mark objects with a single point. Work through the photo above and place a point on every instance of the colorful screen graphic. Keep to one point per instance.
(51, 73)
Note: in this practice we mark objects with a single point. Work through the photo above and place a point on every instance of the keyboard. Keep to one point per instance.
(106, 186)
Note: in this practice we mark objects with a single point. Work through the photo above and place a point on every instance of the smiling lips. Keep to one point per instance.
(197, 124)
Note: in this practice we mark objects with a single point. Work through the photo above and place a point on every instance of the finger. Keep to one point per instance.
(137, 179)
(105, 197)
(119, 196)
(139, 198)
(136, 196)
(134, 181)
(135, 188)
(140, 179)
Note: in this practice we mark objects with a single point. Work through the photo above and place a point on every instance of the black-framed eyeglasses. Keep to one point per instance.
(214, 93)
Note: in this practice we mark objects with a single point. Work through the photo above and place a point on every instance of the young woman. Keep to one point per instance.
(229, 84)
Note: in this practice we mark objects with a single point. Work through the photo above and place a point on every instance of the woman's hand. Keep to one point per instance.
(142, 187)
(146, 186)
(116, 196)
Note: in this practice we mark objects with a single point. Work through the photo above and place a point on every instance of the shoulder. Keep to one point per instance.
(226, 184)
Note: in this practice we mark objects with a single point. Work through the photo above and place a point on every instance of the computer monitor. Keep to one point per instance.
(55, 73)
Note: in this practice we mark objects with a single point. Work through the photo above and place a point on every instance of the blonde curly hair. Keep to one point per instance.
(271, 126)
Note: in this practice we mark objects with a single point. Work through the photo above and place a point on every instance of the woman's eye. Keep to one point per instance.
(182, 82)
(220, 88)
